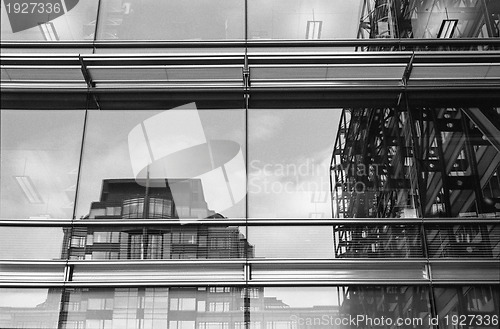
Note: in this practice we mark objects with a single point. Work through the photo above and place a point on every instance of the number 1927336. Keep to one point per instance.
(471, 320)
(34, 8)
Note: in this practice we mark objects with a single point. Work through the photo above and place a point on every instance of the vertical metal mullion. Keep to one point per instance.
(82, 144)
(246, 96)
(98, 14)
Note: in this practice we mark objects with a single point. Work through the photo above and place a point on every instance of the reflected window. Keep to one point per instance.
(39, 163)
(181, 324)
(213, 325)
(182, 304)
(218, 306)
(145, 246)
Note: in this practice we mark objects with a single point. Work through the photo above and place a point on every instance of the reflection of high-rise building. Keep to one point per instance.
(133, 199)
(127, 199)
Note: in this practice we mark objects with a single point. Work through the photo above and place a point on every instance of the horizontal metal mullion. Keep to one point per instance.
(337, 261)
(34, 262)
(462, 260)
(253, 43)
(336, 283)
(33, 284)
(187, 262)
(56, 223)
(253, 221)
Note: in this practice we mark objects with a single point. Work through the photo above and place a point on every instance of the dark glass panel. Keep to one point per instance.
(40, 153)
(172, 20)
(463, 240)
(180, 163)
(30, 308)
(468, 306)
(372, 165)
(158, 242)
(457, 159)
(378, 241)
(382, 156)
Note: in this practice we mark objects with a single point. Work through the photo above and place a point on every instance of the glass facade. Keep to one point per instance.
(204, 20)
(249, 164)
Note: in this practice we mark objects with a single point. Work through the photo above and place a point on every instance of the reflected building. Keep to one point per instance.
(128, 199)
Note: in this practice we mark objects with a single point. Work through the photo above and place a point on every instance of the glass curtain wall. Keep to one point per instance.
(303, 218)
(216, 20)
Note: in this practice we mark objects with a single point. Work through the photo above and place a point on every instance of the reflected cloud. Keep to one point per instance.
(173, 144)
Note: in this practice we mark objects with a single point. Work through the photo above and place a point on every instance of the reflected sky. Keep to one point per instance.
(40, 155)
(29, 298)
(292, 241)
(288, 162)
(26, 242)
(304, 296)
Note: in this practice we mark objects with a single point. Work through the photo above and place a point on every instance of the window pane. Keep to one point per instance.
(29, 308)
(382, 155)
(159, 242)
(291, 241)
(190, 163)
(193, 20)
(340, 241)
(458, 152)
(125, 307)
(463, 240)
(453, 20)
(25, 242)
(478, 303)
(289, 160)
(39, 163)
(327, 307)
(317, 19)
(51, 20)
(378, 241)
